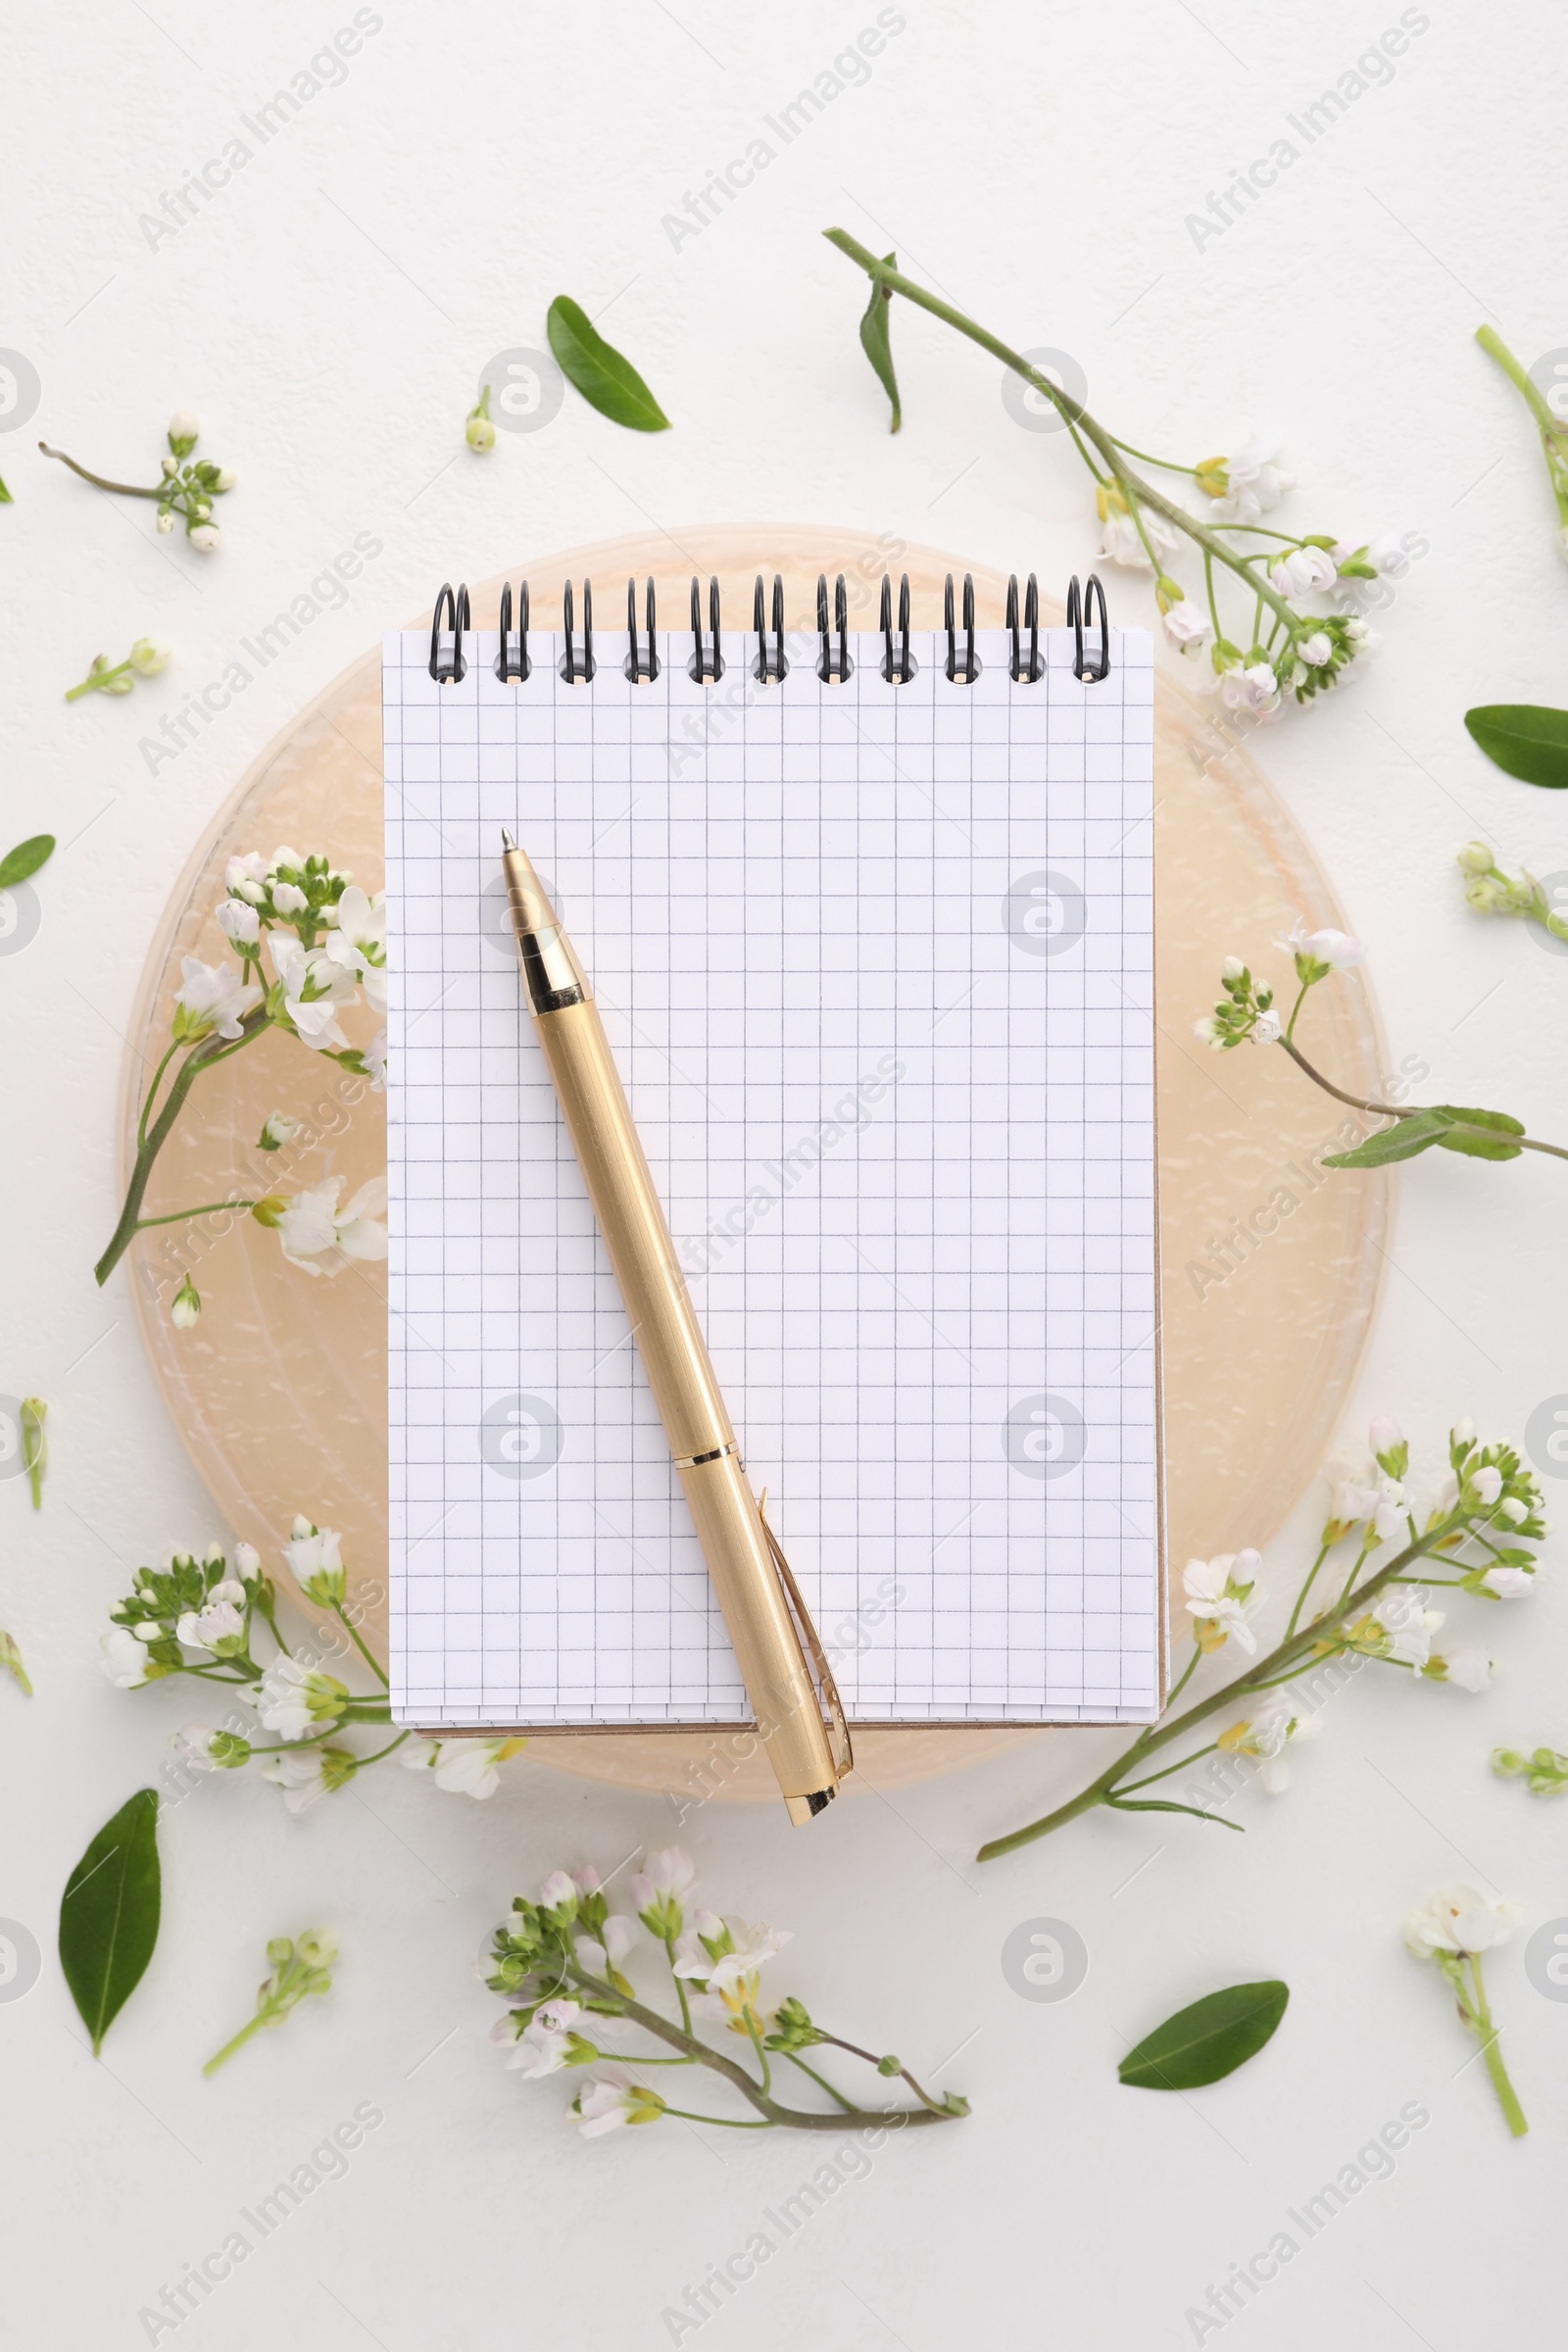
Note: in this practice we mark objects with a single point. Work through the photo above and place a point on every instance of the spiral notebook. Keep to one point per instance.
(869, 921)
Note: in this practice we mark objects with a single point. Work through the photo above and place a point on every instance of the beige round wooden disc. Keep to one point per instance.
(1269, 1267)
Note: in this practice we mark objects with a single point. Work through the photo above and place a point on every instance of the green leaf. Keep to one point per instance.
(1525, 740)
(1403, 1141)
(1166, 1804)
(876, 341)
(1481, 1147)
(608, 382)
(109, 1914)
(1208, 2041)
(6, 499)
(25, 858)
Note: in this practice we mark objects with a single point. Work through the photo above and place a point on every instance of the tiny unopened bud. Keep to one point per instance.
(166, 523)
(204, 538)
(1475, 858)
(148, 656)
(186, 1306)
(280, 1130)
(183, 430)
(1232, 969)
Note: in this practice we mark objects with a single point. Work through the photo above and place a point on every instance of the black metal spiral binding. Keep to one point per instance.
(833, 669)
(705, 669)
(513, 668)
(971, 667)
(450, 669)
(1081, 612)
(769, 669)
(1036, 669)
(900, 672)
(635, 671)
(577, 672)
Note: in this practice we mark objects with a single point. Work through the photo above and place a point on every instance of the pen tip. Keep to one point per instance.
(507, 841)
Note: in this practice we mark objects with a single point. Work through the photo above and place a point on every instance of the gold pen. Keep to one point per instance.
(769, 1628)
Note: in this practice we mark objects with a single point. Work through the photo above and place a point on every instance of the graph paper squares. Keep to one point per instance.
(876, 966)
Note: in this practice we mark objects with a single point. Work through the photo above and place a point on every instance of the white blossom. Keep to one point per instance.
(204, 538)
(1254, 687)
(239, 922)
(246, 877)
(1121, 542)
(1303, 571)
(314, 988)
(1265, 1735)
(1220, 1595)
(463, 1767)
(1187, 627)
(612, 2101)
(1469, 1668)
(318, 1236)
(124, 1658)
(219, 1621)
(1456, 1919)
(1509, 1583)
(1254, 481)
(1336, 949)
(358, 945)
(303, 1773)
(211, 996)
(1316, 650)
(294, 1699)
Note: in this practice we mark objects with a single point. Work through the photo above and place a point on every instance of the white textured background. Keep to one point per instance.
(327, 313)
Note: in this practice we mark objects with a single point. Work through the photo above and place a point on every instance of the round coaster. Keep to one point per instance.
(1269, 1267)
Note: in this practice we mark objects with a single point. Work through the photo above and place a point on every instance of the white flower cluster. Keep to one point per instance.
(1305, 650)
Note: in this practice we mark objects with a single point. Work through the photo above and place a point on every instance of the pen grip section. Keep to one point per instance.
(670, 1340)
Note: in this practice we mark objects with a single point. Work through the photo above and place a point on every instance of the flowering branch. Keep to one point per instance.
(195, 1617)
(185, 490)
(1457, 1927)
(146, 657)
(1491, 891)
(1300, 651)
(1490, 1495)
(1553, 429)
(1245, 1015)
(556, 1963)
(325, 941)
(299, 1970)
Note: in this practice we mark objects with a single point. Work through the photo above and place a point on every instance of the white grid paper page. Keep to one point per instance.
(876, 966)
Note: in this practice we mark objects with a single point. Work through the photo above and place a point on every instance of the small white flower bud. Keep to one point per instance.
(227, 478)
(1475, 858)
(184, 428)
(481, 433)
(1232, 969)
(171, 467)
(204, 538)
(188, 1306)
(166, 523)
(148, 656)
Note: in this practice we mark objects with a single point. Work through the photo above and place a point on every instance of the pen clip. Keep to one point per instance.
(832, 1705)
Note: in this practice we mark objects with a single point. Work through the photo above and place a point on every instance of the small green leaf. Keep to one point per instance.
(1208, 2041)
(6, 499)
(1166, 1804)
(25, 858)
(876, 341)
(609, 382)
(1403, 1141)
(1525, 740)
(109, 1914)
(1481, 1147)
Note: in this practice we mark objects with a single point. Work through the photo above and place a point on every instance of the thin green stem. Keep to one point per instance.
(360, 1762)
(871, 2059)
(1186, 1674)
(96, 684)
(1146, 458)
(121, 489)
(822, 2080)
(177, 1216)
(1491, 2052)
(750, 2022)
(731, 2123)
(151, 1090)
(261, 2018)
(370, 1660)
(1300, 1597)
(1131, 1788)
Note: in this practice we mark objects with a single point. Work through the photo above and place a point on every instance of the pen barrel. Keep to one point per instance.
(675, 1356)
(621, 1186)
